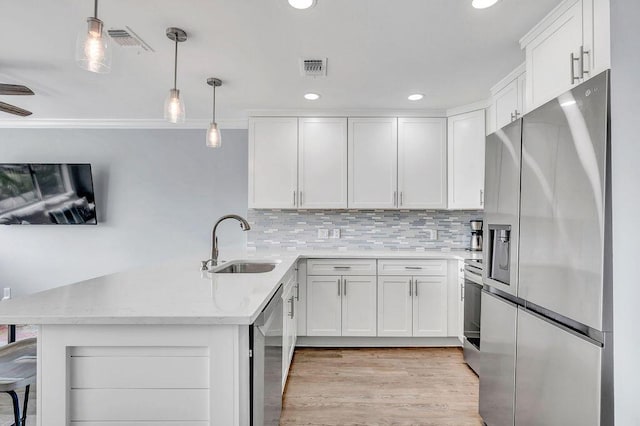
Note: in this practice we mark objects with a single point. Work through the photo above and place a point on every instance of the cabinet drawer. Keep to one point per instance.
(341, 267)
(412, 267)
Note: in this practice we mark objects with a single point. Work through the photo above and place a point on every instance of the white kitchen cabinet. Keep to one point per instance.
(395, 306)
(568, 46)
(373, 163)
(422, 163)
(290, 321)
(322, 163)
(429, 306)
(341, 297)
(341, 305)
(273, 162)
(359, 301)
(324, 305)
(466, 141)
(507, 99)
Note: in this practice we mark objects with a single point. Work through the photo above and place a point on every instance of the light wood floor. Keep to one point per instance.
(386, 386)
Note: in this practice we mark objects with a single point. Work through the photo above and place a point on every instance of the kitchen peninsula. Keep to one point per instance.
(171, 342)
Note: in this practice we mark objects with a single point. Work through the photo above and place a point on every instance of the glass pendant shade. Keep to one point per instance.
(174, 107)
(214, 140)
(93, 52)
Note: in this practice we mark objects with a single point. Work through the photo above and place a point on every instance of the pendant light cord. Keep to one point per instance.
(175, 65)
(95, 9)
(214, 102)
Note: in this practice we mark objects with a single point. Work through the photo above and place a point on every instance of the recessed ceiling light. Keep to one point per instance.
(483, 4)
(311, 96)
(302, 4)
(416, 97)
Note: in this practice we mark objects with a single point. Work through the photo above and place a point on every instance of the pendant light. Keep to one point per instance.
(173, 105)
(93, 52)
(213, 133)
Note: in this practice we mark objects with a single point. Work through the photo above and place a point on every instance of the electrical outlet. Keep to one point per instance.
(6, 293)
(432, 234)
(323, 233)
(335, 233)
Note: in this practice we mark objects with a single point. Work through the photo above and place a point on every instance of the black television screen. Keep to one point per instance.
(45, 194)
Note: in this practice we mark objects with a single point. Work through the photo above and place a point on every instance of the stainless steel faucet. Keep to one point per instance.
(244, 225)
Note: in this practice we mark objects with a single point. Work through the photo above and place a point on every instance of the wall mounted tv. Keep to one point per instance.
(47, 194)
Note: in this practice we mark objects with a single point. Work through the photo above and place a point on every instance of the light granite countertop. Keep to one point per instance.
(178, 292)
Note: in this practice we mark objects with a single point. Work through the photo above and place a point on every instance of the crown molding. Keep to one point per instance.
(62, 123)
(435, 113)
(468, 108)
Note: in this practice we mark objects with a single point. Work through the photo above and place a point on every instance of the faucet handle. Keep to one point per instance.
(204, 264)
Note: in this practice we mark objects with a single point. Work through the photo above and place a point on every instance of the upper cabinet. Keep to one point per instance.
(373, 165)
(566, 48)
(273, 162)
(358, 163)
(322, 162)
(466, 141)
(422, 163)
(507, 100)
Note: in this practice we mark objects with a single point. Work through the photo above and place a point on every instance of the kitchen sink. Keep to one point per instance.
(246, 268)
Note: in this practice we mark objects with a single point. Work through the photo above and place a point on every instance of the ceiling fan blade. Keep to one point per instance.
(14, 89)
(12, 109)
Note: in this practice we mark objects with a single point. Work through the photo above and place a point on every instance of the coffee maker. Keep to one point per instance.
(476, 235)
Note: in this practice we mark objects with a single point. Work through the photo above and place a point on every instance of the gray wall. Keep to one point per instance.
(625, 110)
(158, 193)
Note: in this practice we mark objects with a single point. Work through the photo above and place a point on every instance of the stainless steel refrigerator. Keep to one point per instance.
(546, 333)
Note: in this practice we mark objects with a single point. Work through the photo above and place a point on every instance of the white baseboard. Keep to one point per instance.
(377, 342)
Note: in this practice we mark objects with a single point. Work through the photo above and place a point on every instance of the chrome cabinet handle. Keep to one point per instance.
(395, 198)
(294, 198)
(401, 197)
(339, 285)
(574, 59)
(583, 52)
(413, 267)
(300, 198)
(291, 311)
(345, 287)
(515, 115)
(293, 308)
(416, 291)
(481, 197)
(410, 287)
(297, 291)
(461, 292)
(342, 267)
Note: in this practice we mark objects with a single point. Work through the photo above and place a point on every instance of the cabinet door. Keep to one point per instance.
(422, 159)
(522, 94)
(395, 306)
(324, 314)
(506, 104)
(466, 141)
(273, 162)
(286, 333)
(359, 307)
(373, 163)
(548, 57)
(322, 174)
(429, 306)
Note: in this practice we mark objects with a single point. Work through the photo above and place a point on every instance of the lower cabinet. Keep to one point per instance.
(412, 306)
(341, 305)
(289, 322)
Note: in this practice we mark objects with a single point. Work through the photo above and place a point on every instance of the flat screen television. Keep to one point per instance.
(47, 194)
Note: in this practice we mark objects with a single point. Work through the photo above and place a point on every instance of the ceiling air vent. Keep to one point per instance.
(313, 67)
(128, 38)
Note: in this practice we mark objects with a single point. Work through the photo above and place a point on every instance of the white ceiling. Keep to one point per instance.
(379, 52)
